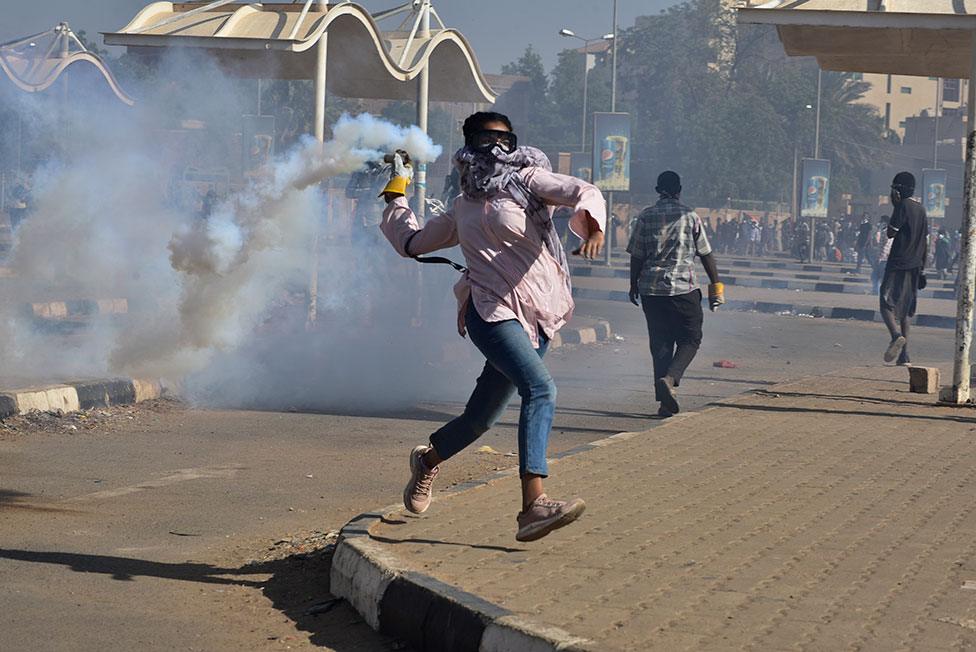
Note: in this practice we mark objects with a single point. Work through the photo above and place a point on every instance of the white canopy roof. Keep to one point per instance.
(33, 63)
(908, 37)
(276, 41)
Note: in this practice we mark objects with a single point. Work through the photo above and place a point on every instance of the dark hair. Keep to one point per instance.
(477, 121)
(905, 182)
(668, 183)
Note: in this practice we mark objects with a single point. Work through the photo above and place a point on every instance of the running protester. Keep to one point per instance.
(908, 230)
(666, 238)
(513, 297)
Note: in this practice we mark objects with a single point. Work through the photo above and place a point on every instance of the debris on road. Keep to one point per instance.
(97, 419)
(309, 544)
(492, 451)
(725, 364)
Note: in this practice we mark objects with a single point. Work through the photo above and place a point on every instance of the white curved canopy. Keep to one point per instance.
(277, 41)
(35, 62)
(908, 37)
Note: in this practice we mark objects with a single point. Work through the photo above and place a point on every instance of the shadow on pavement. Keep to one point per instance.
(720, 379)
(436, 542)
(853, 413)
(847, 398)
(297, 586)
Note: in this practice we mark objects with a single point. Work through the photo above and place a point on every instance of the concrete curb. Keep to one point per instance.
(827, 312)
(766, 280)
(423, 611)
(82, 395)
(599, 332)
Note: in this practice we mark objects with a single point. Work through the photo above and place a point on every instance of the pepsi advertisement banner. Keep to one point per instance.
(934, 192)
(815, 196)
(611, 151)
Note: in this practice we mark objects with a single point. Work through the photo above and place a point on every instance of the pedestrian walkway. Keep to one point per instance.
(830, 513)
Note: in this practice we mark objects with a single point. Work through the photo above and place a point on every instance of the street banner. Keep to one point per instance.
(611, 151)
(257, 143)
(950, 90)
(934, 192)
(580, 166)
(816, 188)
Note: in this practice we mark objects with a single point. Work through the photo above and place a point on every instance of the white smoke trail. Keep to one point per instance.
(201, 293)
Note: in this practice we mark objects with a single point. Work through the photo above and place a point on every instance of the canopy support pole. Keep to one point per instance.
(958, 393)
(320, 65)
(423, 98)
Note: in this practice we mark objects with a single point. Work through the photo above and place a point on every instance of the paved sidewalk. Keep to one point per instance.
(830, 513)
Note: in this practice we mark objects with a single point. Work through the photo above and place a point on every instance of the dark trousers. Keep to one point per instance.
(674, 327)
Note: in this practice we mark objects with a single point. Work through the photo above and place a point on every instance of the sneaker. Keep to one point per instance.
(665, 390)
(894, 348)
(664, 413)
(903, 359)
(546, 515)
(416, 495)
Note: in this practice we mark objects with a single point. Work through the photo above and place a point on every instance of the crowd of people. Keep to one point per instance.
(860, 241)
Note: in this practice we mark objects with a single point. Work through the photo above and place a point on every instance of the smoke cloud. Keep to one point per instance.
(219, 305)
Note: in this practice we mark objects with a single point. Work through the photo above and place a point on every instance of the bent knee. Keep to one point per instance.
(543, 389)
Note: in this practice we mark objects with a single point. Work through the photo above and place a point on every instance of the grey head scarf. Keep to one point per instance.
(485, 174)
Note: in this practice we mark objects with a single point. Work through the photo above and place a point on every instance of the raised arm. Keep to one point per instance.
(589, 220)
(402, 228)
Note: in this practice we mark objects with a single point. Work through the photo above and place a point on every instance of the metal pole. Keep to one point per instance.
(320, 60)
(793, 207)
(586, 75)
(816, 137)
(320, 67)
(938, 102)
(613, 107)
(958, 392)
(613, 61)
(816, 154)
(423, 98)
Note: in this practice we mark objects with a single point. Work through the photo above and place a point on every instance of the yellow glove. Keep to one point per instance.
(401, 173)
(716, 295)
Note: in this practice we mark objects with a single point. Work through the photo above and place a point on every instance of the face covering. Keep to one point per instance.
(485, 174)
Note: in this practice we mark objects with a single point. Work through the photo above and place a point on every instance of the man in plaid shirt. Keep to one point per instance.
(665, 240)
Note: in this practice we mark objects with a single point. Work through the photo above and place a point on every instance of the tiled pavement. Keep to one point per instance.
(832, 513)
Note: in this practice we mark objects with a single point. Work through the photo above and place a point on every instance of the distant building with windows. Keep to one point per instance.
(900, 97)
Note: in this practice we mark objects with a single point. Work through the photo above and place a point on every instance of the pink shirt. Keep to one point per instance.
(511, 274)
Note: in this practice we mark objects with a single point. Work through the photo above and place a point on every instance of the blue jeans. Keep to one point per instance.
(511, 365)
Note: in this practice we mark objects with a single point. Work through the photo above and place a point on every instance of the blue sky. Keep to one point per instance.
(499, 30)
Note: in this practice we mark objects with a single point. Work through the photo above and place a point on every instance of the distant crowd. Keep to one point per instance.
(835, 240)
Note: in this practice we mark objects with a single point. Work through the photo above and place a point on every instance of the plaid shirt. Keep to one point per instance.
(667, 236)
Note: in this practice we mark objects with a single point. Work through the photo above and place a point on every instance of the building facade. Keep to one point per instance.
(900, 97)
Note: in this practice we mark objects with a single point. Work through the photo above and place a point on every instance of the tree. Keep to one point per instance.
(101, 53)
(530, 65)
(732, 132)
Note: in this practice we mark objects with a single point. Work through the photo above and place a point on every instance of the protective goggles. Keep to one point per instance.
(486, 139)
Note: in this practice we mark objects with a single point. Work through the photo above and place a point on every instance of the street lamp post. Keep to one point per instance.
(611, 37)
(613, 108)
(586, 74)
(816, 152)
(816, 136)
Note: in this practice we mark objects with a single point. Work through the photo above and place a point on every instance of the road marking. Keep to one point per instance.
(182, 475)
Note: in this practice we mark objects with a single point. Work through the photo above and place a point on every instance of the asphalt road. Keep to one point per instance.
(165, 527)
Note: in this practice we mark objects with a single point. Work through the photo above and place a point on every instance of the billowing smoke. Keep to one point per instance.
(219, 305)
